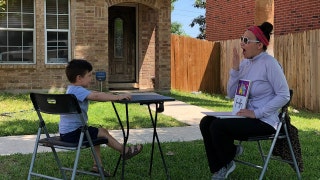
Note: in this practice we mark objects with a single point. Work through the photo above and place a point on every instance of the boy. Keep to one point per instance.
(79, 74)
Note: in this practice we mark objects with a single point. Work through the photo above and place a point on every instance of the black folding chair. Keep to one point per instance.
(281, 133)
(62, 104)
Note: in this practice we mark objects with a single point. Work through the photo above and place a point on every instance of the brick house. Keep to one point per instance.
(228, 19)
(129, 40)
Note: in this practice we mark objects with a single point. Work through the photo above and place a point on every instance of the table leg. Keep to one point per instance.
(155, 136)
(125, 137)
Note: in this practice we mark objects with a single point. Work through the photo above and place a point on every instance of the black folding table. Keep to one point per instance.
(143, 99)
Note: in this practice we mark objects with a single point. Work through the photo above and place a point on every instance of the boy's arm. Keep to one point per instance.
(102, 96)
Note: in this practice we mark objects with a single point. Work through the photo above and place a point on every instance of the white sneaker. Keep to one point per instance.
(224, 172)
(239, 150)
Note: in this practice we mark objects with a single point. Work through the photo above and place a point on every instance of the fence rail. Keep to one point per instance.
(198, 65)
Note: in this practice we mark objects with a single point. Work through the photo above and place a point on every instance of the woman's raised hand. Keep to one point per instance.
(235, 59)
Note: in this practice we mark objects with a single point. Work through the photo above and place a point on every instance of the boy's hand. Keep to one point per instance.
(124, 97)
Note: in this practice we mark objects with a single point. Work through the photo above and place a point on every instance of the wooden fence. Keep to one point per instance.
(300, 54)
(198, 65)
(195, 65)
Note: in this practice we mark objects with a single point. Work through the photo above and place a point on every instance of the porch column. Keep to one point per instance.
(265, 12)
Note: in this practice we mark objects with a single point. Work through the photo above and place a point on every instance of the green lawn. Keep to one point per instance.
(17, 116)
(185, 160)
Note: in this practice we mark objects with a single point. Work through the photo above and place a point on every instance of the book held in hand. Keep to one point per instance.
(240, 101)
(241, 96)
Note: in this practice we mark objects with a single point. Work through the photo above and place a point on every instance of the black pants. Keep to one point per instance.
(74, 136)
(219, 135)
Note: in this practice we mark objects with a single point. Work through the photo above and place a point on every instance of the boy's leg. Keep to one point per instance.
(113, 143)
(97, 149)
(95, 166)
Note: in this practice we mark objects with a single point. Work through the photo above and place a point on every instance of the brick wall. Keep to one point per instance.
(90, 30)
(227, 19)
(147, 21)
(293, 16)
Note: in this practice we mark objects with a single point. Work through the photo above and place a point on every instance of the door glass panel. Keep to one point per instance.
(118, 38)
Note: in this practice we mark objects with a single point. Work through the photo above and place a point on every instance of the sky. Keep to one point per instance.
(184, 13)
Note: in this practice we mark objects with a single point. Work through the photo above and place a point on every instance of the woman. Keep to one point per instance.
(268, 93)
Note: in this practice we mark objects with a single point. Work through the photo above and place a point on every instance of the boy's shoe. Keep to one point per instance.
(239, 150)
(224, 172)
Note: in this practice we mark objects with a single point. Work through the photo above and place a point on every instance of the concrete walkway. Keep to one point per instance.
(181, 111)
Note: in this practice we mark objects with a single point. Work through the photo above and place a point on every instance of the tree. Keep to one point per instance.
(176, 27)
(172, 6)
(200, 20)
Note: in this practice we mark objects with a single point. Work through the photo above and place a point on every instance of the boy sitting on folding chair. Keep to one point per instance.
(79, 74)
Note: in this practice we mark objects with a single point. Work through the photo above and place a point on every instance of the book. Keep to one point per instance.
(240, 101)
(241, 96)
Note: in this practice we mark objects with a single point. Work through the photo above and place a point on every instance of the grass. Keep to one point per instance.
(17, 116)
(185, 160)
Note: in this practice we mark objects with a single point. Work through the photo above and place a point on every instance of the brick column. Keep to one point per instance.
(265, 12)
(163, 57)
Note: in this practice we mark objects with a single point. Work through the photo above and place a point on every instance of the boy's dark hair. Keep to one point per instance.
(77, 67)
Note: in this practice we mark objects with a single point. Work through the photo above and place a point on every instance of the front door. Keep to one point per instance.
(122, 45)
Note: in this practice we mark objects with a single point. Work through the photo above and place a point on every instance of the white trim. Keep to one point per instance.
(56, 30)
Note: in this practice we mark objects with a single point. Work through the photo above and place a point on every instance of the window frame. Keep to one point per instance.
(46, 30)
(22, 29)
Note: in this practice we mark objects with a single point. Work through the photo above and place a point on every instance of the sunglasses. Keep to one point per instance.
(245, 40)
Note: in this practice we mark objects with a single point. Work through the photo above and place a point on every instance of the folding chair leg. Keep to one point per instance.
(75, 165)
(59, 163)
(95, 156)
(293, 155)
(74, 170)
(261, 152)
(252, 164)
(34, 158)
(264, 169)
(99, 165)
(34, 155)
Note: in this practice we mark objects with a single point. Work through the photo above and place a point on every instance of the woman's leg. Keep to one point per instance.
(211, 152)
(219, 135)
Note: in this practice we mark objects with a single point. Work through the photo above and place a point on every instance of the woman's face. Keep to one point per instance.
(252, 47)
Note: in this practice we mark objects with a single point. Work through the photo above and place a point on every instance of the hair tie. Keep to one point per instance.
(259, 34)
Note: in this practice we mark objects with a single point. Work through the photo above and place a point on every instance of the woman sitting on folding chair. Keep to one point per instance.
(268, 93)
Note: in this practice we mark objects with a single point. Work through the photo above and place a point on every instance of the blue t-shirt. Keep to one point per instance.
(72, 122)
